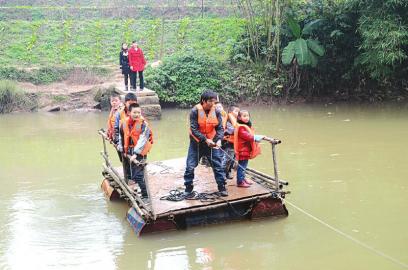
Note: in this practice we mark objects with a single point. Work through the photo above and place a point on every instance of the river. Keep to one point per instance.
(347, 166)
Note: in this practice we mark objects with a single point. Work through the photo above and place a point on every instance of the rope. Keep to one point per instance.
(231, 157)
(176, 195)
(372, 249)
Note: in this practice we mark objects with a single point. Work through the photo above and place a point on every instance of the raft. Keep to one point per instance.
(265, 198)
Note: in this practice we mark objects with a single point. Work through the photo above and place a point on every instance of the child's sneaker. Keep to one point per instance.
(243, 184)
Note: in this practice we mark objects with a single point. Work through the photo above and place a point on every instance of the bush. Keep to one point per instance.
(259, 83)
(47, 75)
(183, 77)
(12, 98)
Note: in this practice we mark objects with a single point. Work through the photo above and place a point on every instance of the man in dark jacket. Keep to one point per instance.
(206, 133)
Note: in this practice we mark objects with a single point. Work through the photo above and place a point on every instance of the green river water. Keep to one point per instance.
(347, 166)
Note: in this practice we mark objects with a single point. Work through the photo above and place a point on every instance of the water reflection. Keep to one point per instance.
(53, 229)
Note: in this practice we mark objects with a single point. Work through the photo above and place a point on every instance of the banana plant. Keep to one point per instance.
(302, 51)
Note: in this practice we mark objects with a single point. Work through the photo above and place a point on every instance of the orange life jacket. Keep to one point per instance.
(111, 123)
(131, 136)
(255, 148)
(224, 117)
(233, 121)
(123, 116)
(206, 123)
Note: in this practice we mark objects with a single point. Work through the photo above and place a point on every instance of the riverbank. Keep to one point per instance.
(57, 89)
(66, 96)
(87, 89)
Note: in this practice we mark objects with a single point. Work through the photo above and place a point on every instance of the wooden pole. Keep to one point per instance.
(105, 137)
(104, 148)
(258, 173)
(275, 167)
(134, 204)
(115, 175)
(264, 180)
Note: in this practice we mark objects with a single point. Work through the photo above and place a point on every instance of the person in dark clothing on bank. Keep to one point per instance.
(124, 65)
(206, 133)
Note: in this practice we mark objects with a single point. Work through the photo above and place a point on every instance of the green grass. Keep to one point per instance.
(105, 9)
(97, 42)
(59, 98)
(50, 74)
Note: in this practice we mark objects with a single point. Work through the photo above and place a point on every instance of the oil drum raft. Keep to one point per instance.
(164, 210)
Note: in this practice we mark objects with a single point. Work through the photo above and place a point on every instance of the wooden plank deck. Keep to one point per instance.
(163, 176)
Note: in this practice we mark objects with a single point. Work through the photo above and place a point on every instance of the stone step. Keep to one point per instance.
(144, 93)
(148, 100)
(151, 111)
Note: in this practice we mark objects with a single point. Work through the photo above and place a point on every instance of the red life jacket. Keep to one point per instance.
(233, 121)
(206, 123)
(238, 143)
(131, 135)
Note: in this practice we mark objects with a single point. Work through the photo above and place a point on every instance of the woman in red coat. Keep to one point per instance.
(137, 64)
(245, 145)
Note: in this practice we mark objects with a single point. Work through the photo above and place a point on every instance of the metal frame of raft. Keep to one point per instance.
(263, 199)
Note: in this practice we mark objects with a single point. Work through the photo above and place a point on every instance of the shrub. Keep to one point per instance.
(259, 83)
(12, 98)
(182, 78)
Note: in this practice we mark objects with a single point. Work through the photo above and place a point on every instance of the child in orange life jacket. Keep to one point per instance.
(121, 117)
(138, 141)
(115, 107)
(245, 145)
(228, 142)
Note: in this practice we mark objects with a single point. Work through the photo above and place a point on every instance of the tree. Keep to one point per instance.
(263, 28)
(301, 52)
(383, 26)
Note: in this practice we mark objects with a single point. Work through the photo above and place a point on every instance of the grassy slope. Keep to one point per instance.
(90, 42)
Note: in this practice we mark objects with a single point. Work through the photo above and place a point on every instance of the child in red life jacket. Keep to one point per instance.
(138, 140)
(245, 145)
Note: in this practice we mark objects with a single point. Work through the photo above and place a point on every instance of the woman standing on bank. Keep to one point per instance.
(137, 64)
(124, 64)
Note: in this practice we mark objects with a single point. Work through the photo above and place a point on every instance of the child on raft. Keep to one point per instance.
(116, 106)
(228, 141)
(138, 140)
(245, 145)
